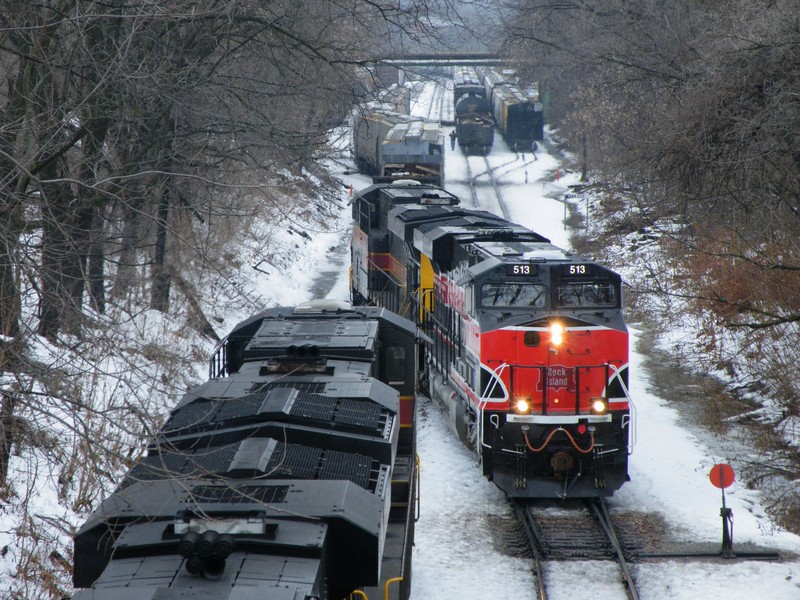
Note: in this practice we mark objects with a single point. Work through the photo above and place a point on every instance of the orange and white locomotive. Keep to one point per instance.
(528, 350)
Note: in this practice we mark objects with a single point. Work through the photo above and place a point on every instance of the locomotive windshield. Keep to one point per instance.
(513, 294)
(586, 295)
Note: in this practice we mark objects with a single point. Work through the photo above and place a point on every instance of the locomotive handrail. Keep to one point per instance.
(388, 583)
(543, 369)
(217, 363)
(631, 406)
(484, 402)
(419, 488)
(388, 274)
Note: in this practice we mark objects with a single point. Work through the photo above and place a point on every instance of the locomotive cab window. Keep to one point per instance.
(395, 365)
(364, 215)
(469, 303)
(532, 339)
(587, 295)
(513, 294)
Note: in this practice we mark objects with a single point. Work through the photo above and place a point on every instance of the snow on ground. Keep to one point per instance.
(454, 554)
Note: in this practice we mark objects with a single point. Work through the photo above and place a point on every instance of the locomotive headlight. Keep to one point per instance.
(521, 406)
(556, 333)
(599, 406)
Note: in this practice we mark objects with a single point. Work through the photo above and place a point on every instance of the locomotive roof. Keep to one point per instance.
(522, 250)
(403, 220)
(325, 334)
(404, 191)
(311, 317)
(465, 75)
(472, 103)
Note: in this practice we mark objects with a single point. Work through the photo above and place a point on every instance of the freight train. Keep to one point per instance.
(528, 348)
(389, 146)
(517, 113)
(291, 473)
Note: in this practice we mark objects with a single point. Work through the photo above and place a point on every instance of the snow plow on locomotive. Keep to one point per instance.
(529, 349)
(291, 473)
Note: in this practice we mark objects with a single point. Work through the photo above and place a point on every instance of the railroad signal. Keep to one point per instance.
(722, 476)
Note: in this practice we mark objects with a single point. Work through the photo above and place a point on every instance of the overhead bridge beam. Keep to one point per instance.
(437, 60)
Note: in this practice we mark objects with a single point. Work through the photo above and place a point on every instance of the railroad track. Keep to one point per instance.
(435, 108)
(475, 185)
(493, 182)
(574, 531)
(473, 192)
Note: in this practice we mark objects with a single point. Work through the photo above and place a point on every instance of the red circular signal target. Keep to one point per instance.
(721, 475)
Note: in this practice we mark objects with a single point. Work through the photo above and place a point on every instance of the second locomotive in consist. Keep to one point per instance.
(290, 474)
(529, 349)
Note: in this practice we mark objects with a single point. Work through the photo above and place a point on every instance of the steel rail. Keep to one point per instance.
(530, 532)
(601, 513)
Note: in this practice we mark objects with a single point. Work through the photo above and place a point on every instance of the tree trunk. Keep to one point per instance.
(74, 269)
(129, 242)
(159, 299)
(97, 290)
(83, 235)
(9, 292)
(7, 425)
(55, 216)
(584, 159)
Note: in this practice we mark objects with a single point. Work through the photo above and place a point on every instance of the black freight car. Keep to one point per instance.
(517, 113)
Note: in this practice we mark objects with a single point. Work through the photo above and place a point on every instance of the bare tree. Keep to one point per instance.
(135, 141)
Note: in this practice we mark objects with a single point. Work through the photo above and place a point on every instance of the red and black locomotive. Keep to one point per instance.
(528, 349)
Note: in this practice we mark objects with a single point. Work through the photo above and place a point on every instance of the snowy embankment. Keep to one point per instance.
(133, 365)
